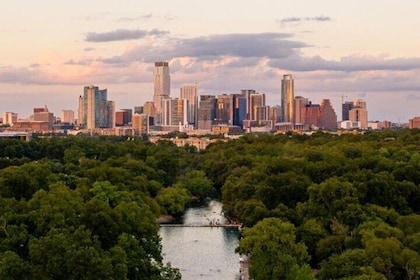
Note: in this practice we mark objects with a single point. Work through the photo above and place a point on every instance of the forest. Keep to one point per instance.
(323, 206)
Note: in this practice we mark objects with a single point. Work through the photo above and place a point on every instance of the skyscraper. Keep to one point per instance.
(206, 111)
(328, 117)
(299, 110)
(287, 97)
(190, 93)
(359, 113)
(162, 85)
(224, 109)
(94, 108)
(346, 107)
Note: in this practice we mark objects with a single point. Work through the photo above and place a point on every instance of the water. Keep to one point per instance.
(202, 252)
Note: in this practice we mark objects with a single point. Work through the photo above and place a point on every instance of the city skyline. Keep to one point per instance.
(330, 48)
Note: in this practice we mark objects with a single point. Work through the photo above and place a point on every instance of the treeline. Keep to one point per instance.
(321, 206)
(324, 206)
(86, 208)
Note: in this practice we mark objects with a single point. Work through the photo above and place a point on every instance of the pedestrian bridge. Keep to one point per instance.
(202, 225)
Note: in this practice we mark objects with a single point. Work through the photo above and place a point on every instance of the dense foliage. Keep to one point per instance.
(321, 206)
(351, 201)
(86, 208)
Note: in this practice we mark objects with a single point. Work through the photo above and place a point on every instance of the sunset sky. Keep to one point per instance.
(359, 49)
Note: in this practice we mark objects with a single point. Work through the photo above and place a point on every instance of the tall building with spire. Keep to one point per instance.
(162, 86)
(287, 98)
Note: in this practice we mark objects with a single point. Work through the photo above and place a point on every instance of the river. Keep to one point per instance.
(202, 252)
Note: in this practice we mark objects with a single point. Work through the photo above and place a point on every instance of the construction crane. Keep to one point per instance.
(342, 97)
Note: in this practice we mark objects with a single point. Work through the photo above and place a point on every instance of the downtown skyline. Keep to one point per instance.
(362, 50)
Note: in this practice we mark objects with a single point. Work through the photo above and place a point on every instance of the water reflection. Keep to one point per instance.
(202, 252)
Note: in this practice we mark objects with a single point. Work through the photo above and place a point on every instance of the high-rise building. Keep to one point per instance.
(190, 93)
(206, 111)
(359, 113)
(287, 97)
(247, 94)
(239, 109)
(150, 110)
(138, 109)
(10, 118)
(414, 123)
(299, 110)
(140, 124)
(95, 111)
(327, 116)
(224, 109)
(275, 114)
(67, 116)
(312, 112)
(110, 113)
(346, 107)
(43, 115)
(174, 111)
(256, 100)
(162, 86)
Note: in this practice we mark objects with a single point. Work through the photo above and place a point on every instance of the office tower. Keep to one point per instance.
(95, 111)
(150, 110)
(10, 118)
(138, 109)
(224, 109)
(67, 116)
(43, 115)
(174, 111)
(312, 112)
(140, 124)
(247, 94)
(41, 109)
(81, 117)
(110, 114)
(239, 109)
(414, 123)
(299, 110)
(346, 107)
(359, 113)
(287, 97)
(162, 85)
(256, 100)
(206, 111)
(190, 93)
(123, 117)
(327, 116)
(262, 113)
(275, 114)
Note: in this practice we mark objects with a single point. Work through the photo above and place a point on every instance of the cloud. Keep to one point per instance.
(122, 34)
(349, 63)
(257, 45)
(228, 62)
(296, 20)
(138, 18)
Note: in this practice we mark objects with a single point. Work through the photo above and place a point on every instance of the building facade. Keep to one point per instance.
(162, 86)
(287, 98)
(95, 111)
(190, 93)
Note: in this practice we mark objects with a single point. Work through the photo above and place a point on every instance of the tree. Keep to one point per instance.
(173, 200)
(271, 245)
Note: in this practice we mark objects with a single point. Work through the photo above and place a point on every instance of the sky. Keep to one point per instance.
(338, 50)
